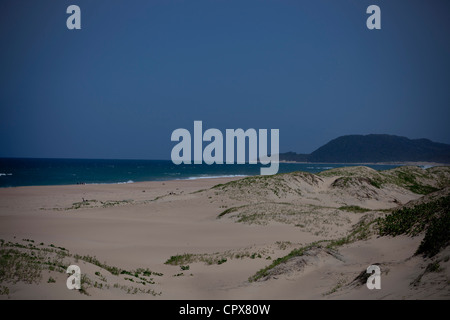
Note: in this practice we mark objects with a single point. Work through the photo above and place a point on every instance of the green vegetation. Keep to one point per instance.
(216, 258)
(278, 185)
(353, 171)
(110, 203)
(102, 278)
(93, 203)
(317, 220)
(432, 217)
(356, 209)
(431, 267)
(82, 204)
(437, 236)
(4, 290)
(93, 260)
(361, 230)
(140, 274)
(412, 178)
(339, 285)
(147, 272)
(294, 253)
(229, 210)
(413, 220)
(20, 266)
(282, 185)
(283, 245)
(351, 179)
(21, 262)
(135, 290)
(180, 259)
(421, 189)
(376, 183)
(198, 191)
(408, 179)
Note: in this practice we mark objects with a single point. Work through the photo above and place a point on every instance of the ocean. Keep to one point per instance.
(16, 172)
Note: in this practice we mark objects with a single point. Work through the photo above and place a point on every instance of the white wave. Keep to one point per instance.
(100, 183)
(213, 177)
(129, 181)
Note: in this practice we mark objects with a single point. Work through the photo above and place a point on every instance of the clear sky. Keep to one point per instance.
(137, 70)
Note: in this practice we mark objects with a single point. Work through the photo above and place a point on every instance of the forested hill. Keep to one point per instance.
(374, 148)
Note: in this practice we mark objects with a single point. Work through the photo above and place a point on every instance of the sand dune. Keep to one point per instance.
(217, 238)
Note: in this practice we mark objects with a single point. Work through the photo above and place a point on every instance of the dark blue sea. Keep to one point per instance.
(34, 172)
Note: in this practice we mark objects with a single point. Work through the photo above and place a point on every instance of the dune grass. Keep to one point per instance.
(356, 209)
(25, 262)
(432, 217)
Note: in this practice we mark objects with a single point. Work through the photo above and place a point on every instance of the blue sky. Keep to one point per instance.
(137, 70)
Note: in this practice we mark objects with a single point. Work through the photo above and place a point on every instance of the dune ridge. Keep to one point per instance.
(288, 236)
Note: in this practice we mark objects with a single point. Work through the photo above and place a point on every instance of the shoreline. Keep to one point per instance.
(230, 177)
(239, 176)
(134, 183)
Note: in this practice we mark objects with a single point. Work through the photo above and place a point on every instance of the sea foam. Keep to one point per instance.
(214, 177)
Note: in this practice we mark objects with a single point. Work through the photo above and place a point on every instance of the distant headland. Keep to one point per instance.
(374, 148)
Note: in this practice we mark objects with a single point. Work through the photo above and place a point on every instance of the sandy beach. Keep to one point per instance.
(207, 238)
(234, 151)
